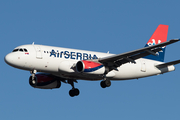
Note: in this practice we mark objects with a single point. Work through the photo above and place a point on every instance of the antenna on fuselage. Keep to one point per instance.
(33, 43)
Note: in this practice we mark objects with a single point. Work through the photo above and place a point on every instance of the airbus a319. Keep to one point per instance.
(49, 66)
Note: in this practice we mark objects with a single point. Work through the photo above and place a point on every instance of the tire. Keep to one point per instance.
(108, 83)
(103, 85)
(76, 92)
(71, 93)
(32, 82)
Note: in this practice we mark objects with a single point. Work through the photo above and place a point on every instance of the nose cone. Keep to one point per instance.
(14, 60)
(8, 59)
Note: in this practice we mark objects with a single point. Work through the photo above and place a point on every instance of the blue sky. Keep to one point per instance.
(99, 25)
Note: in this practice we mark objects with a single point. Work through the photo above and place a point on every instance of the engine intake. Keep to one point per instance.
(80, 66)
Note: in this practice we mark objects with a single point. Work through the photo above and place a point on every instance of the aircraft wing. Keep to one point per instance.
(119, 59)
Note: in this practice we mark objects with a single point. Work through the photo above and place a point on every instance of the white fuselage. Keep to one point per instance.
(61, 61)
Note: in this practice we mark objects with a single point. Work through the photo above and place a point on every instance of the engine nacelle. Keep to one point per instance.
(44, 81)
(90, 67)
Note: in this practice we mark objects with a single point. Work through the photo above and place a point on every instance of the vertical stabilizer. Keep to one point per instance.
(159, 36)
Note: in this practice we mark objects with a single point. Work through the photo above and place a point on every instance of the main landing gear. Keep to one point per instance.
(74, 91)
(105, 83)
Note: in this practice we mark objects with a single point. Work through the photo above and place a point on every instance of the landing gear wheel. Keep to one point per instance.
(106, 83)
(71, 93)
(103, 85)
(74, 92)
(32, 82)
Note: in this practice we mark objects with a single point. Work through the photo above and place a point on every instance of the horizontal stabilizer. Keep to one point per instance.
(168, 64)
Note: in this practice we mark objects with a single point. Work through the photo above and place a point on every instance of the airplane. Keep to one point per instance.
(49, 66)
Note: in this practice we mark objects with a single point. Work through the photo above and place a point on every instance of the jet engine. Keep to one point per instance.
(90, 67)
(44, 81)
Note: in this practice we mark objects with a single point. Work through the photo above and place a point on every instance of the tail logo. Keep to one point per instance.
(158, 37)
(153, 42)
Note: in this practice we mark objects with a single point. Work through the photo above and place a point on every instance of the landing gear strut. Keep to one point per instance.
(74, 91)
(33, 79)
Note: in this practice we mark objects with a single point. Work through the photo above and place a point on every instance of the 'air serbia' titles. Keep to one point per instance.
(72, 55)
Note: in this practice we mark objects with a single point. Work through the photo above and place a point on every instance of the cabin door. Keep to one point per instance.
(38, 52)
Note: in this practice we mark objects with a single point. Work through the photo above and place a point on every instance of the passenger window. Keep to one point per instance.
(21, 50)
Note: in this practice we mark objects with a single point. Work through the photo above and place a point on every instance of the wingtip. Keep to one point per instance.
(178, 39)
(175, 40)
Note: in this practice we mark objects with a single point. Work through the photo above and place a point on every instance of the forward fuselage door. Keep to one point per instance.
(38, 52)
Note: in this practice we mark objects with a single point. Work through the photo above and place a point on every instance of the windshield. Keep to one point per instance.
(20, 49)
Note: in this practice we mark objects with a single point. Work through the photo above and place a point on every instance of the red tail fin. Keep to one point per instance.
(159, 36)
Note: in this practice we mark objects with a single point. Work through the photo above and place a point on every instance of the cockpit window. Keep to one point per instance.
(25, 50)
(15, 50)
(20, 49)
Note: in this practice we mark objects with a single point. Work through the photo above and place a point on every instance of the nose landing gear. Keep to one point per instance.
(33, 79)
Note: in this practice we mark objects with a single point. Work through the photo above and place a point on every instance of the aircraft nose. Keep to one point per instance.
(8, 59)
